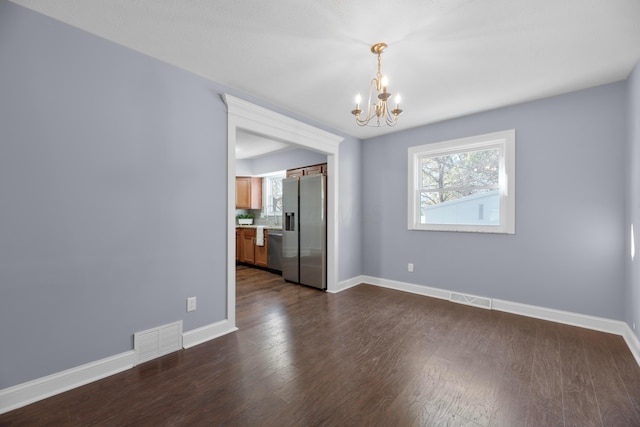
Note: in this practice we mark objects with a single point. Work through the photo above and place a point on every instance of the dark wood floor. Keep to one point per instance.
(365, 357)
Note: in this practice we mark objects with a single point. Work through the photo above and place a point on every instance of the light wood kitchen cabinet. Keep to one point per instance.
(238, 246)
(248, 192)
(248, 252)
(261, 252)
(248, 243)
(320, 169)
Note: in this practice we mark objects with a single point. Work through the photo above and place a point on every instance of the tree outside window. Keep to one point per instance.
(272, 194)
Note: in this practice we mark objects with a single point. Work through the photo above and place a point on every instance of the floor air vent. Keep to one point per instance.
(470, 300)
(157, 342)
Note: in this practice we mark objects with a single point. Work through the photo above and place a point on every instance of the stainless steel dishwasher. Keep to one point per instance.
(274, 250)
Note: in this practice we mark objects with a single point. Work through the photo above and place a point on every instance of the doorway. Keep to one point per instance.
(244, 116)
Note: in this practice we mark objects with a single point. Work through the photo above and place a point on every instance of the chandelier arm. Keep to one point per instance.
(389, 118)
(391, 121)
(392, 116)
(370, 110)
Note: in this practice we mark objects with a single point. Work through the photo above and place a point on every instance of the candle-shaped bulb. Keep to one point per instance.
(358, 99)
(398, 99)
(385, 83)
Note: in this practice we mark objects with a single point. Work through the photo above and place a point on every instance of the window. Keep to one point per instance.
(272, 194)
(465, 184)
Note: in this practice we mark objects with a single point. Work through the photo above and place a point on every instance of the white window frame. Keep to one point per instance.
(505, 141)
(267, 208)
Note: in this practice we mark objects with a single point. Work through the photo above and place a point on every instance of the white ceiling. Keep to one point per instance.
(250, 145)
(447, 58)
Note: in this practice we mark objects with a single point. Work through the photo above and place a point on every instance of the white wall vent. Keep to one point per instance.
(472, 300)
(157, 342)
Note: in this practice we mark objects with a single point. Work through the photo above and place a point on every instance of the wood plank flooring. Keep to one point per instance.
(368, 356)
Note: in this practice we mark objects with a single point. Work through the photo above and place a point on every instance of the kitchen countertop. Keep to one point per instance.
(266, 227)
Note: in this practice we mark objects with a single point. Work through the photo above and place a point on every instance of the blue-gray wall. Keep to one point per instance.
(632, 294)
(112, 170)
(110, 179)
(244, 167)
(568, 249)
(350, 212)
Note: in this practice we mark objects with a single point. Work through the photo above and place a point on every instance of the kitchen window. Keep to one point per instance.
(272, 194)
(465, 184)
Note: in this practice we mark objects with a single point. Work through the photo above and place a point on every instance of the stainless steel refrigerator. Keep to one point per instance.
(304, 230)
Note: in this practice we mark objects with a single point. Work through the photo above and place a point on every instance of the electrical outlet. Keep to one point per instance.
(410, 267)
(191, 304)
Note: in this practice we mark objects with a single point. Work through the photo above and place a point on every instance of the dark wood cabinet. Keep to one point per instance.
(316, 170)
(293, 173)
(320, 169)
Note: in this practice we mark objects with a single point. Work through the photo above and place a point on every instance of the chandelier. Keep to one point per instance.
(378, 110)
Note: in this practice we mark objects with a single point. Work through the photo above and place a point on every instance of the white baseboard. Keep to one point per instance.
(346, 284)
(615, 327)
(23, 394)
(632, 341)
(408, 287)
(206, 333)
(568, 318)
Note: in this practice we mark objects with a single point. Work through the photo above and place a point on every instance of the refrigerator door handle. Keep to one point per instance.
(290, 221)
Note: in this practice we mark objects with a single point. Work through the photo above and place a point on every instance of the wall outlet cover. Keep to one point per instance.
(191, 304)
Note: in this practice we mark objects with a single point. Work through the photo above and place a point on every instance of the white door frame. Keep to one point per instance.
(249, 117)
